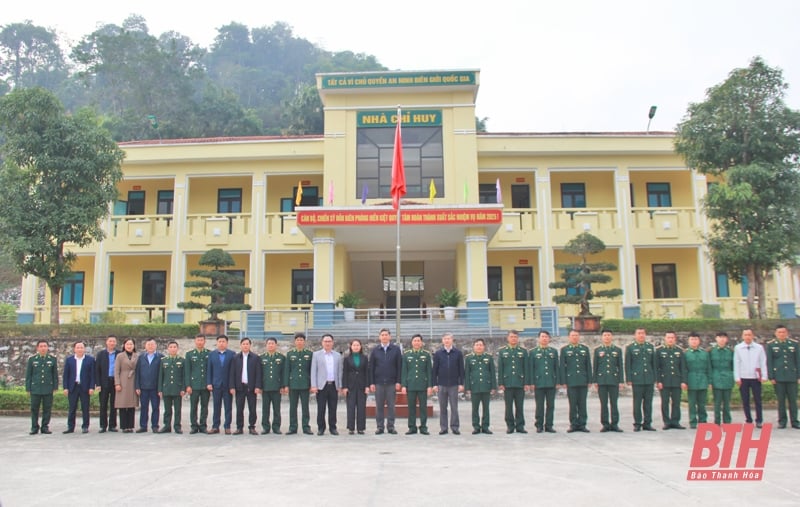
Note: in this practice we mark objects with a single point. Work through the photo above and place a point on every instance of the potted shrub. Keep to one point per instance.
(350, 301)
(449, 299)
(578, 277)
(218, 287)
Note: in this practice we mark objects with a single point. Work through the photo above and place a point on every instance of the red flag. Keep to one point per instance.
(398, 172)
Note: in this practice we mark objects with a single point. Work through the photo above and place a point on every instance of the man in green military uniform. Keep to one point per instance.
(640, 372)
(41, 379)
(575, 371)
(196, 367)
(543, 378)
(783, 365)
(297, 377)
(698, 371)
(608, 378)
(417, 382)
(722, 382)
(671, 378)
(480, 382)
(273, 364)
(171, 385)
(512, 363)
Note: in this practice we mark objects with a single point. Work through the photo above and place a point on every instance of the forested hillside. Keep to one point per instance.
(251, 81)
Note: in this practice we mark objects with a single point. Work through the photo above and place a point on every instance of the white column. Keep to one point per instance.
(475, 249)
(258, 214)
(178, 257)
(547, 273)
(324, 266)
(627, 253)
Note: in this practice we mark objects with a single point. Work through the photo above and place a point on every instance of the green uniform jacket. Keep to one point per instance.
(511, 365)
(670, 366)
(416, 373)
(41, 374)
(640, 363)
(479, 373)
(721, 367)
(195, 368)
(576, 365)
(272, 371)
(543, 367)
(608, 367)
(698, 368)
(172, 376)
(297, 372)
(783, 360)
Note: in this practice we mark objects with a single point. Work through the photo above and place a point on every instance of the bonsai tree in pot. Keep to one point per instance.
(350, 301)
(449, 299)
(578, 277)
(218, 286)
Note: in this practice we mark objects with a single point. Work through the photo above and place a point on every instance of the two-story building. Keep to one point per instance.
(504, 207)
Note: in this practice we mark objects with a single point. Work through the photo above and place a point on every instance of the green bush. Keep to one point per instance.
(16, 398)
(733, 327)
(767, 396)
(88, 330)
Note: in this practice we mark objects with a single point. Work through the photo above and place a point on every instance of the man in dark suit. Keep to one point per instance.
(146, 383)
(385, 368)
(217, 373)
(245, 382)
(78, 381)
(326, 380)
(104, 378)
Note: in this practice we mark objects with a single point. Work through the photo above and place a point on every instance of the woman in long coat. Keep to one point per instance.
(126, 400)
(355, 387)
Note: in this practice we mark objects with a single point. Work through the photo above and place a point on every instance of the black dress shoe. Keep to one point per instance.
(550, 430)
(179, 431)
(666, 427)
(351, 432)
(66, 431)
(84, 430)
(796, 426)
(758, 425)
(320, 432)
(166, 430)
(46, 431)
(637, 428)
(604, 429)
(33, 432)
(194, 431)
(678, 427)
(583, 429)
(476, 432)
(291, 432)
(277, 432)
(264, 432)
(379, 432)
(523, 430)
(571, 430)
(539, 430)
(335, 432)
(616, 429)
(253, 431)
(647, 427)
(411, 432)
(102, 430)
(360, 432)
(488, 432)
(213, 431)
(443, 432)
(392, 431)
(781, 426)
(308, 432)
(510, 430)
(456, 432)
(238, 432)
(423, 432)
(112, 430)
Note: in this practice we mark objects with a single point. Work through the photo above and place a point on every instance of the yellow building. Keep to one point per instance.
(180, 198)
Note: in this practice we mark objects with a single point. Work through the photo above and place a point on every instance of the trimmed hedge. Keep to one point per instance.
(733, 327)
(15, 398)
(102, 330)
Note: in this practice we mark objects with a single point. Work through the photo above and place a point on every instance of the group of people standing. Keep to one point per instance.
(126, 379)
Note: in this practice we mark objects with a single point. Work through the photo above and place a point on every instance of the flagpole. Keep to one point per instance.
(397, 254)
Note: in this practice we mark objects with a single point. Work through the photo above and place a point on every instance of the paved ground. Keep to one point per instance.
(617, 469)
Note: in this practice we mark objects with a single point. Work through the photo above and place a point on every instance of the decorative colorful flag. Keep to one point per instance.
(330, 192)
(364, 194)
(398, 172)
(299, 198)
(432, 191)
(499, 192)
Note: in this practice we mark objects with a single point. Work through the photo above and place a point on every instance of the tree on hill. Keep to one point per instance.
(60, 173)
(745, 136)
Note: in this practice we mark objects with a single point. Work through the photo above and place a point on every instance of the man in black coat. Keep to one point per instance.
(245, 383)
(385, 367)
(104, 378)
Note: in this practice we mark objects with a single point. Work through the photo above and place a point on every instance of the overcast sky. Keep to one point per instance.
(562, 65)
